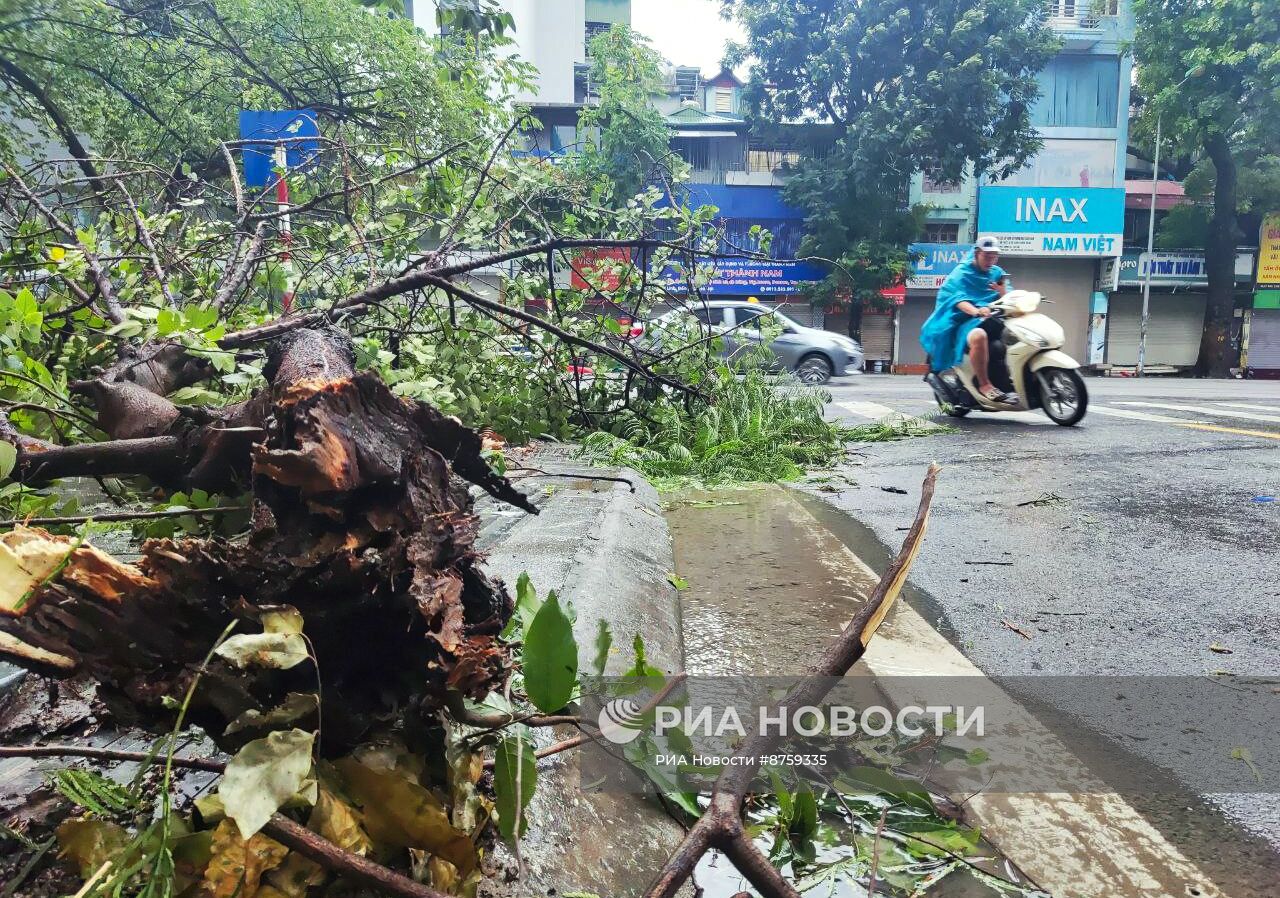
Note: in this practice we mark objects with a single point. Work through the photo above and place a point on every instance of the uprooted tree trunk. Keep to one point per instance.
(356, 523)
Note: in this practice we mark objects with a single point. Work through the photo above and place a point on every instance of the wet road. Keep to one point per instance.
(1132, 544)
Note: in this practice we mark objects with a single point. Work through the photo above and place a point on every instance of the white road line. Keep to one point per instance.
(1252, 408)
(1139, 416)
(872, 410)
(1058, 838)
(1205, 410)
(877, 412)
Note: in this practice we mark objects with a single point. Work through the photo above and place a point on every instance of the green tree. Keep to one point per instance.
(627, 140)
(1211, 73)
(904, 87)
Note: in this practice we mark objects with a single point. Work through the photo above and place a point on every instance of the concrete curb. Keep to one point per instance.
(607, 550)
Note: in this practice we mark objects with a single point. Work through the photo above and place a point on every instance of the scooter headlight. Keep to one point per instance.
(1024, 301)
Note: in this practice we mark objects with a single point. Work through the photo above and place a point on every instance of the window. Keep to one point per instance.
(942, 232)
(934, 183)
(724, 100)
(1078, 91)
(1063, 162)
(713, 316)
(693, 150)
(592, 30)
(746, 317)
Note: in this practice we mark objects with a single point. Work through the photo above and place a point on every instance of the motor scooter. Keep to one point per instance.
(1026, 362)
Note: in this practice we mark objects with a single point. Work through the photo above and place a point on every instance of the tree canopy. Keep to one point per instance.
(904, 87)
(1211, 73)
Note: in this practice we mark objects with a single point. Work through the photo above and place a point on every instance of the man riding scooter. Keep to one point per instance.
(961, 322)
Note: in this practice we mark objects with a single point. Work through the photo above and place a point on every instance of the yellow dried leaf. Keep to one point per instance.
(236, 866)
(404, 814)
(443, 875)
(340, 823)
(90, 843)
(292, 878)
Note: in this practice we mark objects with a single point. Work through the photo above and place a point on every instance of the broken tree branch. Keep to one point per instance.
(720, 826)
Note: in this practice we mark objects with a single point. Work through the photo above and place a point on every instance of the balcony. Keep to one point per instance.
(1081, 24)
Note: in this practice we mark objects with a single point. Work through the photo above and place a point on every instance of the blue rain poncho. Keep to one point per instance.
(945, 332)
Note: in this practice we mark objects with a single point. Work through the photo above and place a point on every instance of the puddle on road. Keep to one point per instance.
(759, 598)
(765, 592)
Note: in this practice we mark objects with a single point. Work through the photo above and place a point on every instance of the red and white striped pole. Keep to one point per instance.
(286, 232)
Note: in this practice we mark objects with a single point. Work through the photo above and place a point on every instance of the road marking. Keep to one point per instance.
(1252, 408)
(1205, 410)
(1139, 416)
(1181, 422)
(1088, 843)
(877, 412)
(1235, 430)
(873, 410)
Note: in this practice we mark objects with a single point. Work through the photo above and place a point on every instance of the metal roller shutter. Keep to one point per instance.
(1264, 340)
(1174, 327)
(801, 312)
(877, 335)
(1069, 284)
(911, 318)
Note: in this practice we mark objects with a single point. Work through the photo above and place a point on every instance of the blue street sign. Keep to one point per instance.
(271, 126)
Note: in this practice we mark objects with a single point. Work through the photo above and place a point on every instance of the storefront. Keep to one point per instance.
(1262, 358)
(935, 261)
(1175, 312)
(1262, 347)
(1053, 240)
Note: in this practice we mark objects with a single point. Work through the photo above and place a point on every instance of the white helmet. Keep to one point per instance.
(987, 245)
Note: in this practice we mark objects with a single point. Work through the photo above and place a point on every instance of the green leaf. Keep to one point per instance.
(680, 583)
(527, 605)
(976, 756)
(550, 658)
(604, 642)
(264, 775)
(167, 322)
(514, 760)
(873, 779)
(8, 459)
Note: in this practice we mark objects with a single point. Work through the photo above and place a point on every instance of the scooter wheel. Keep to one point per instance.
(1063, 395)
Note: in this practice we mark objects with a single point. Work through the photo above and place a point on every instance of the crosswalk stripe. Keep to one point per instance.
(872, 410)
(1206, 410)
(1138, 416)
(877, 412)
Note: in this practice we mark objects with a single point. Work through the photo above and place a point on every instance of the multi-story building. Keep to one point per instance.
(1061, 217)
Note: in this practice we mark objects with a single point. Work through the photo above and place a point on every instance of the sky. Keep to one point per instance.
(686, 32)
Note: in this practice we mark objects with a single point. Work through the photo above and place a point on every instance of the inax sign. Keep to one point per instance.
(1053, 221)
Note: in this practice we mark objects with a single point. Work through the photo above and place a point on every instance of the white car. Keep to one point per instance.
(814, 355)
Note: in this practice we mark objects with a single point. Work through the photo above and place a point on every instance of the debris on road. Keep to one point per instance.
(894, 489)
(1221, 649)
(1021, 632)
(1043, 500)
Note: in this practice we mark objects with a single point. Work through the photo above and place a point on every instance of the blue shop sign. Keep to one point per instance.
(746, 277)
(1053, 221)
(935, 261)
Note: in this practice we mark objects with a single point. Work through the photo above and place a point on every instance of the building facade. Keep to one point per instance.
(1061, 217)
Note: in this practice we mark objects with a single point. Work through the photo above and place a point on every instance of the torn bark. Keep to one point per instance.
(357, 523)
